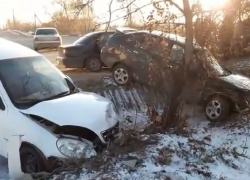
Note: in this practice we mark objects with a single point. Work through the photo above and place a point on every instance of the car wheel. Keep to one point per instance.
(218, 109)
(121, 75)
(36, 49)
(93, 64)
(32, 160)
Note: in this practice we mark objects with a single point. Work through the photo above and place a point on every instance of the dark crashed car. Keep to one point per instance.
(84, 52)
(129, 57)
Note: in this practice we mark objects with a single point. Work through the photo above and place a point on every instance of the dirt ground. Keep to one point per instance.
(81, 77)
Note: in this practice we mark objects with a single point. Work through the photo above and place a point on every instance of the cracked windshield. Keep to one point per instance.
(31, 79)
(125, 89)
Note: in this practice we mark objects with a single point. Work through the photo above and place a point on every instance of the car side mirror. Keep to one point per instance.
(2, 106)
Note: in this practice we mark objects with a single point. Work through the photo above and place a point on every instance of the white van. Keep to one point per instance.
(56, 119)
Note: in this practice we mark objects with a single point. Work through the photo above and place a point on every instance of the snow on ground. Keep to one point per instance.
(206, 152)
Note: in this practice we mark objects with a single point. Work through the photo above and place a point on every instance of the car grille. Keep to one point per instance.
(110, 134)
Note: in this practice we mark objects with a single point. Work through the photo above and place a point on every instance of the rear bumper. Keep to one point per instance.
(47, 44)
(70, 62)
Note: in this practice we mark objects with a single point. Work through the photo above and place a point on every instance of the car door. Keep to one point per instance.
(104, 38)
(3, 120)
(137, 58)
(156, 54)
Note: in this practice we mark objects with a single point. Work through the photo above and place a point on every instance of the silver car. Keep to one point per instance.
(46, 38)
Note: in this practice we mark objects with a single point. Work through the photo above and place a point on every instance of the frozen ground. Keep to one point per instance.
(206, 152)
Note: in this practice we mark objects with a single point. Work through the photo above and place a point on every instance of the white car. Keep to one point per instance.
(56, 119)
(46, 38)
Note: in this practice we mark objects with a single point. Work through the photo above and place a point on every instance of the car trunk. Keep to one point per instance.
(70, 50)
(47, 38)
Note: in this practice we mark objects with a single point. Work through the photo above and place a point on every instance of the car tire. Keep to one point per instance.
(218, 108)
(36, 49)
(93, 64)
(121, 75)
(32, 159)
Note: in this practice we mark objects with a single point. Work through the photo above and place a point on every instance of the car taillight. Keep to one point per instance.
(58, 39)
(36, 39)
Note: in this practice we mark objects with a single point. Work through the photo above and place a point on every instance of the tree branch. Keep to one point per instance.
(176, 5)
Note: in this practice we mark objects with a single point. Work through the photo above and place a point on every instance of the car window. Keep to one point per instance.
(177, 53)
(86, 38)
(211, 64)
(46, 32)
(157, 46)
(103, 39)
(105, 36)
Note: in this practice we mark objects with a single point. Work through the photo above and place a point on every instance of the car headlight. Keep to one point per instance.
(73, 148)
(64, 51)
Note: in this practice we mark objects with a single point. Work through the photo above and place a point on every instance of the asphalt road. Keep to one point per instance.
(28, 40)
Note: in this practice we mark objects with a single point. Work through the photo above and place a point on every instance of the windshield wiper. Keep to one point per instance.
(28, 101)
(59, 95)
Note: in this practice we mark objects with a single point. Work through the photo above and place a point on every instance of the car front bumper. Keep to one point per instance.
(54, 162)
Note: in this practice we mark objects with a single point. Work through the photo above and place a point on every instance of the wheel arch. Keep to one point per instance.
(219, 94)
(116, 63)
(90, 56)
(27, 144)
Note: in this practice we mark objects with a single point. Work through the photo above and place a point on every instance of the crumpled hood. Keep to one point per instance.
(83, 109)
(239, 81)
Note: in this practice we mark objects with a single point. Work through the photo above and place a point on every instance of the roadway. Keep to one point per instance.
(28, 41)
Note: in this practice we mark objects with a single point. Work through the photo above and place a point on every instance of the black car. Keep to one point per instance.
(84, 52)
(130, 57)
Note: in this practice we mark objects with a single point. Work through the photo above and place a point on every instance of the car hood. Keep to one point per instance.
(83, 109)
(239, 81)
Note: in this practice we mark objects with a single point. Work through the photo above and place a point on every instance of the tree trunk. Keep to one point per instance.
(172, 118)
(189, 34)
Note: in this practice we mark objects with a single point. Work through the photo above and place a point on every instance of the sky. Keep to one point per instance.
(24, 10)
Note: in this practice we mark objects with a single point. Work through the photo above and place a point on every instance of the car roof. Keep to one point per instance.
(180, 40)
(10, 50)
(45, 28)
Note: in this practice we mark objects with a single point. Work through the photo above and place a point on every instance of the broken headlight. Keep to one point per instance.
(73, 148)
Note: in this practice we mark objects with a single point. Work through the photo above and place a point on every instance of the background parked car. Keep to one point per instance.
(85, 52)
(46, 38)
(131, 55)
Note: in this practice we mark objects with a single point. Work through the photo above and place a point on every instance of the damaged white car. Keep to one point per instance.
(56, 120)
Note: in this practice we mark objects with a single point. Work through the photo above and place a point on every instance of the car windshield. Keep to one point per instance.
(31, 80)
(46, 32)
(85, 38)
(212, 65)
(209, 61)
